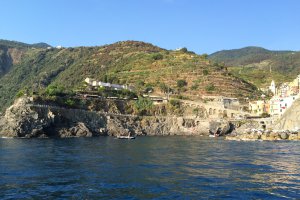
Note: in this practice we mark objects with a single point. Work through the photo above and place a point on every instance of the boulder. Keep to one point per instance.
(214, 127)
(284, 136)
(227, 128)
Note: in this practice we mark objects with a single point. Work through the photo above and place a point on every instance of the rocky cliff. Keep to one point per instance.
(291, 118)
(27, 119)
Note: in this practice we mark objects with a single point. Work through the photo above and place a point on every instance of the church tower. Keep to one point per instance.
(272, 87)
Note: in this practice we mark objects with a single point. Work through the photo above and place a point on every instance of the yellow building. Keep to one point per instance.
(295, 86)
(257, 108)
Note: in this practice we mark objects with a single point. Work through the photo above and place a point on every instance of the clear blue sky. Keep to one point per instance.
(203, 26)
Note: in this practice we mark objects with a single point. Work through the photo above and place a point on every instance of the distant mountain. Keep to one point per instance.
(245, 56)
(139, 64)
(15, 44)
(259, 65)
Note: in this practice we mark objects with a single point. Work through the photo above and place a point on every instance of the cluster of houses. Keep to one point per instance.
(95, 83)
(283, 98)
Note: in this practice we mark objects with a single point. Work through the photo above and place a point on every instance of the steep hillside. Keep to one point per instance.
(259, 66)
(11, 53)
(142, 65)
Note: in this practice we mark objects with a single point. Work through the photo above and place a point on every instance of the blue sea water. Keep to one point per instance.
(148, 168)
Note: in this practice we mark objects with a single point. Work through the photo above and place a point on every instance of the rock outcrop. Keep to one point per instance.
(255, 134)
(24, 119)
(291, 118)
(27, 119)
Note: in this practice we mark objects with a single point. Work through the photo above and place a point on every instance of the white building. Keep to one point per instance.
(272, 87)
(278, 105)
(94, 83)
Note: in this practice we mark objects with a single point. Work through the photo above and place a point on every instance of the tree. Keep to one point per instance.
(163, 87)
(184, 50)
(54, 90)
(204, 56)
(181, 83)
(143, 106)
(157, 56)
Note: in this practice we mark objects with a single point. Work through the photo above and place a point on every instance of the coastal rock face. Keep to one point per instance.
(221, 127)
(24, 119)
(20, 120)
(291, 118)
(27, 119)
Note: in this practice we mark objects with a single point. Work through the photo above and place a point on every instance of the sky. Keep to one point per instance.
(203, 26)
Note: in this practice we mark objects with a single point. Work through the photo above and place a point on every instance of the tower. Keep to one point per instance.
(272, 87)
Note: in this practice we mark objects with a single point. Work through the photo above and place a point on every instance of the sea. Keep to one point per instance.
(169, 167)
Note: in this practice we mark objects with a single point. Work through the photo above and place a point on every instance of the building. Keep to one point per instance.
(257, 108)
(283, 90)
(94, 83)
(225, 102)
(272, 87)
(295, 85)
(279, 105)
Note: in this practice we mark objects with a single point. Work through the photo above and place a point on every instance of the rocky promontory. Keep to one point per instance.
(27, 119)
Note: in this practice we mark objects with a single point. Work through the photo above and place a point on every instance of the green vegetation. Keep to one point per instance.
(54, 90)
(143, 66)
(157, 56)
(181, 83)
(260, 66)
(210, 87)
(195, 86)
(143, 106)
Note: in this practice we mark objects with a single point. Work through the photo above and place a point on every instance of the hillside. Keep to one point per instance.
(11, 53)
(259, 66)
(139, 64)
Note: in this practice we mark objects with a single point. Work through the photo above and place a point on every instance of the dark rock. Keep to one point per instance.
(214, 127)
(227, 129)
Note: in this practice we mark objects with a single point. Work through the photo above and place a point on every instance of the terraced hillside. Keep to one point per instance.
(142, 65)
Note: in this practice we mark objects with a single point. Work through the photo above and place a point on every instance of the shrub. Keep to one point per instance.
(70, 102)
(194, 87)
(196, 111)
(54, 90)
(181, 83)
(20, 93)
(163, 87)
(157, 56)
(175, 103)
(184, 50)
(205, 72)
(143, 106)
(264, 115)
(210, 87)
(204, 56)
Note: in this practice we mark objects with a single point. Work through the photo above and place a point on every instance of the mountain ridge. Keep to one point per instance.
(260, 66)
(142, 65)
